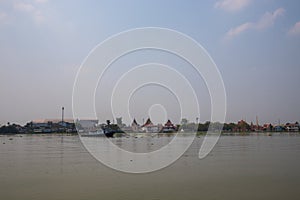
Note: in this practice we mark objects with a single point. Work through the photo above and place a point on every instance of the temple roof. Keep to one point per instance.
(134, 123)
(169, 123)
(148, 123)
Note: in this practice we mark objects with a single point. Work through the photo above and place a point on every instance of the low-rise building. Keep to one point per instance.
(135, 127)
(149, 127)
(292, 127)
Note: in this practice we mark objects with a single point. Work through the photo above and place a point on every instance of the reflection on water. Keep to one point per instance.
(239, 167)
(142, 144)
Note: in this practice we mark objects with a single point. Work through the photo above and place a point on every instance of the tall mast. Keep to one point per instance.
(257, 121)
(62, 115)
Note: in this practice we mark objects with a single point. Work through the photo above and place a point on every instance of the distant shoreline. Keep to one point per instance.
(160, 134)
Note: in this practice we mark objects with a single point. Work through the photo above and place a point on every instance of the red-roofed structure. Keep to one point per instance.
(169, 127)
(149, 127)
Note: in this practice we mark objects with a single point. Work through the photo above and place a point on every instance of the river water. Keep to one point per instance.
(239, 167)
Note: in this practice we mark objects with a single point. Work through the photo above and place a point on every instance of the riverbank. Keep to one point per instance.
(199, 134)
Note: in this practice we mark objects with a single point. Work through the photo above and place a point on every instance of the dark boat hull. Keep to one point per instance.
(108, 132)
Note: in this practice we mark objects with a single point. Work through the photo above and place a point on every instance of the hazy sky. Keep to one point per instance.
(255, 44)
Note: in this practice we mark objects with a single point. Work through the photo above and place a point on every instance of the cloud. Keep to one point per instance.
(3, 15)
(238, 30)
(38, 17)
(232, 5)
(4, 19)
(36, 14)
(25, 7)
(295, 30)
(266, 21)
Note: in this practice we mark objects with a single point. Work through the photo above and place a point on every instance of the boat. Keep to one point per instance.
(93, 133)
(108, 132)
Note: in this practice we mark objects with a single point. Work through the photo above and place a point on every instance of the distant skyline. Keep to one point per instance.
(255, 45)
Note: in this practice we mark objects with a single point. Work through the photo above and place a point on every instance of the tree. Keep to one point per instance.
(9, 129)
(229, 127)
(203, 127)
(243, 126)
(184, 121)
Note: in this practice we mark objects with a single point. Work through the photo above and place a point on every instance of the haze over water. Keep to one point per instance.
(239, 167)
